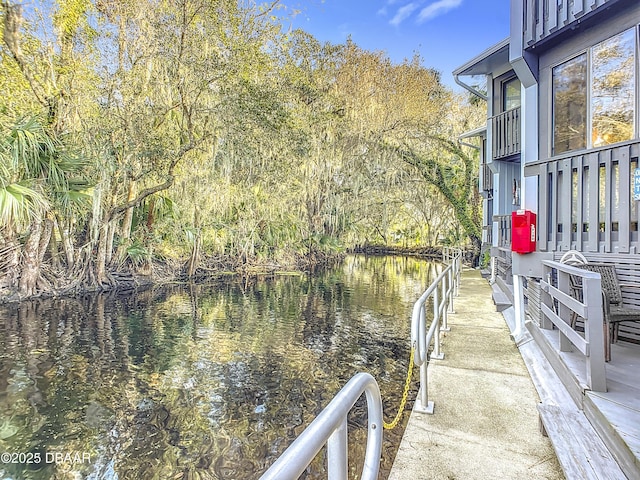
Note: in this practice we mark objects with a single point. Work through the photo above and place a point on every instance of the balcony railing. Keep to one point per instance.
(586, 201)
(487, 178)
(506, 134)
(542, 18)
(504, 230)
(559, 305)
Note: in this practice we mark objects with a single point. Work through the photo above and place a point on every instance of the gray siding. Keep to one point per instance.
(543, 18)
(584, 196)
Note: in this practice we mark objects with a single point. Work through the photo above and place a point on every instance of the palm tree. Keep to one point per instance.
(36, 170)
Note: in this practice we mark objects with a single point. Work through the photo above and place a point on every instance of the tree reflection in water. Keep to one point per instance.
(200, 381)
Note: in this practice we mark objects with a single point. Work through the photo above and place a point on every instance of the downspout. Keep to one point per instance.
(472, 134)
(526, 67)
(470, 145)
(456, 78)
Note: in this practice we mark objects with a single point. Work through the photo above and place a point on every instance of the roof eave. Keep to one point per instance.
(481, 65)
(474, 66)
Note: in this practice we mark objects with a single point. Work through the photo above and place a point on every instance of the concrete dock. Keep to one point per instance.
(485, 423)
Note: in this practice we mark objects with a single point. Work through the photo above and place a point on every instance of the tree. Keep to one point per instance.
(40, 177)
(455, 178)
(405, 114)
(192, 129)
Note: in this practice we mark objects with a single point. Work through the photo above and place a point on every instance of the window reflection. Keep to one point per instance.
(570, 105)
(613, 89)
(605, 75)
(510, 94)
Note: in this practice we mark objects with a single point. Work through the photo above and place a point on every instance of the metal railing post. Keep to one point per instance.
(560, 303)
(441, 292)
(337, 448)
(445, 301)
(425, 405)
(451, 288)
(436, 320)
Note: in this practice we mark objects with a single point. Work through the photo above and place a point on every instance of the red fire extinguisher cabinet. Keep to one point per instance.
(523, 231)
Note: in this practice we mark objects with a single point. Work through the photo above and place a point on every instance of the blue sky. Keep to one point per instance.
(446, 33)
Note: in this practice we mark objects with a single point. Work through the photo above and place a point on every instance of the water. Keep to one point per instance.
(200, 382)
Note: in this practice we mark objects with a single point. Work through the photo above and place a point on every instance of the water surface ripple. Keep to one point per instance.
(200, 381)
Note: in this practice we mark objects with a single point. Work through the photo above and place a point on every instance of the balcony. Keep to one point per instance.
(543, 18)
(506, 134)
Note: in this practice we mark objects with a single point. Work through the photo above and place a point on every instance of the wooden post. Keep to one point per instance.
(594, 334)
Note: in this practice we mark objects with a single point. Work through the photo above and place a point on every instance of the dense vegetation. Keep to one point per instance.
(203, 134)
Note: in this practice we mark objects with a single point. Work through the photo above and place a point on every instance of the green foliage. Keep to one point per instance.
(486, 259)
(138, 254)
(153, 119)
(37, 172)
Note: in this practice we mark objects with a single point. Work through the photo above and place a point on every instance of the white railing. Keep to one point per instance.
(441, 291)
(452, 256)
(330, 428)
(560, 305)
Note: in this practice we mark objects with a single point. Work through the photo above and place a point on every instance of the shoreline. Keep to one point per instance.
(161, 272)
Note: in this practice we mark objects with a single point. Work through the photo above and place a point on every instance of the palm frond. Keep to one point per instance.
(19, 204)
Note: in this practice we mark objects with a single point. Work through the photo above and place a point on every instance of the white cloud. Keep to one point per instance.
(438, 8)
(403, 13)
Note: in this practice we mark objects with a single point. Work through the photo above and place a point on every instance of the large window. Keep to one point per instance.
(570, 105)
(613, 89)
(595, 92)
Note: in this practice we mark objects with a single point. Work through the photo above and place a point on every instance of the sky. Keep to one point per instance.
(446, 33)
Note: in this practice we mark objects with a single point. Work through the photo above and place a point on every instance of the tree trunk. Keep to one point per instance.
(9, 258)
(476, 245)
(125, 229)
(67, 244)
(111, 232)
(150, 214)
(33, 254)
(194, 260)
(101, 258)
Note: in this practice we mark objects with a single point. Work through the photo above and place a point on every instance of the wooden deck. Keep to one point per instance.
(614, 414)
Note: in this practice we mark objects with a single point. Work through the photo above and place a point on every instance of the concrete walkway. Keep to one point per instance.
(485, 422)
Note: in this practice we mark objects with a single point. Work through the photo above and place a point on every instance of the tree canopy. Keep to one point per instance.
(192, 130)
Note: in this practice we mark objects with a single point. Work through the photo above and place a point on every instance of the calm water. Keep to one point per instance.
(206, 381)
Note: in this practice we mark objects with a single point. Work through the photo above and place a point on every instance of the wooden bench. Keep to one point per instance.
(614, 310)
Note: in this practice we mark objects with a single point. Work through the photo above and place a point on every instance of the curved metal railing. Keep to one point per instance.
(442, 291)
(330, 428)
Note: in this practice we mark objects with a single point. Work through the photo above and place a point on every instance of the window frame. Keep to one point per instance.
(552, 136)
(503, 92)
(589, 97)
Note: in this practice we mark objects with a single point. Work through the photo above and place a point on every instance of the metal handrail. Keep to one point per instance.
(330, 428)
(442, 290)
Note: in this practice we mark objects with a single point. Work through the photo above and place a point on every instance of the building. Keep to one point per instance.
(562, 140)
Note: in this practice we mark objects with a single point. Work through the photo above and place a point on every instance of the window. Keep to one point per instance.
(570, 105)
(510, 94)
(613, 89)
(595, 92)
